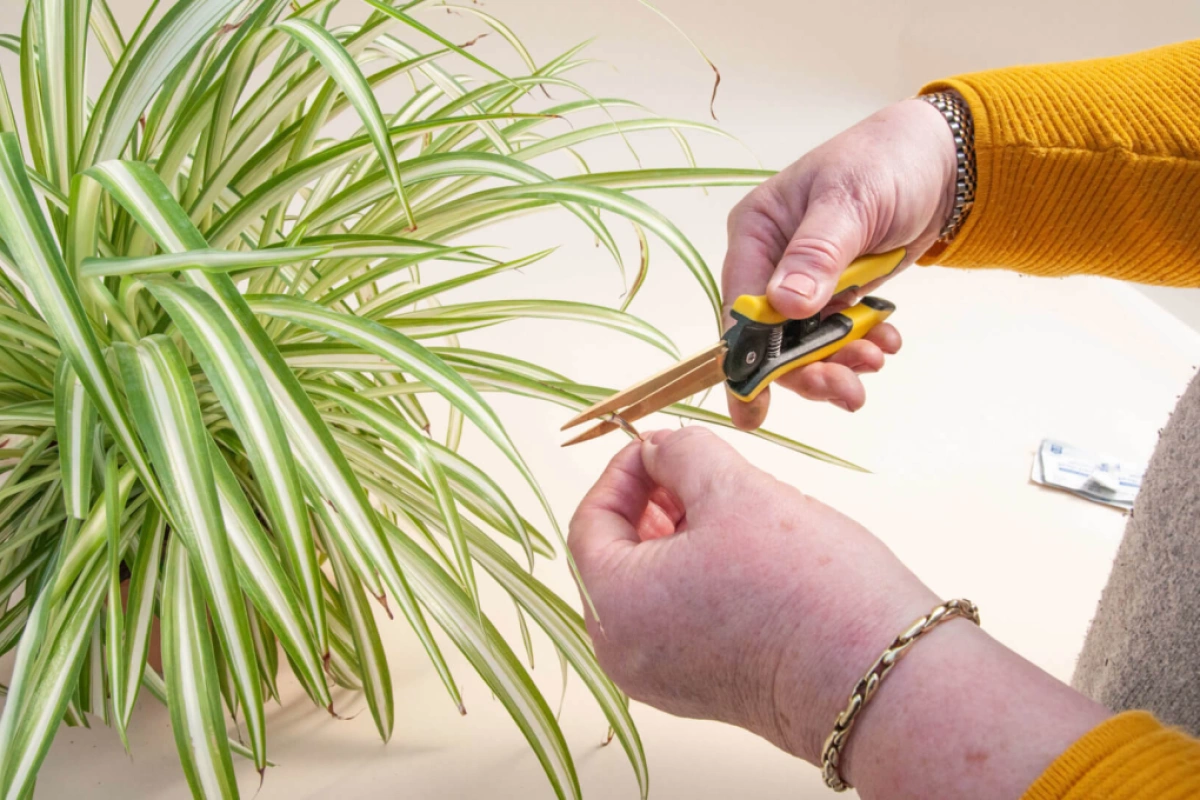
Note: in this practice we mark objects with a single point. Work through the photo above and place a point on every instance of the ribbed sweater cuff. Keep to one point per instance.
(1128, 757)
(1089, 167)
(942, 253)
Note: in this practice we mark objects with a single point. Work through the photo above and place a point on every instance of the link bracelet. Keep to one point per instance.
(831, 754)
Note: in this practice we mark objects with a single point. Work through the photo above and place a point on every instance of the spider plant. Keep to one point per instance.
(222, 335)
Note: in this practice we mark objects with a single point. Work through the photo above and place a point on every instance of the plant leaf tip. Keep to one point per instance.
(473, 41)
(383, 601)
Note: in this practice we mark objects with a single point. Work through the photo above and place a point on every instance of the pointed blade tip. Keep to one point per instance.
(589, 413)
(573, 421)
(589, 434)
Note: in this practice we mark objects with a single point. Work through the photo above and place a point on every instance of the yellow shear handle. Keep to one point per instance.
(863, 317)
(756, 307)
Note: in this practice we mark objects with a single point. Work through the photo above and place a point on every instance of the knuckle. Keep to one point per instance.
(615, 655)
(682, 441)
(852, 185)
(694, 432)
(858, 192)
(737, 215)
(764, 203)
(631, 667)
(699, 456)
(582, 524)
(580, 521)
(821, 254)
(575, 533)
(734, 219)
(608, 662)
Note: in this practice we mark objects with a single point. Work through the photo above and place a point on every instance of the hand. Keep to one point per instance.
(724, 594)
(885, 183)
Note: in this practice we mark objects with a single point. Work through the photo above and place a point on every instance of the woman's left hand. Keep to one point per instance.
(725, 594)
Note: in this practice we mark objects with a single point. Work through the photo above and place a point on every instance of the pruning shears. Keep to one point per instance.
(760, 347)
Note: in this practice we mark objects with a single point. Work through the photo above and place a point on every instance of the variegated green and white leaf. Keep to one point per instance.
(381, 305)
(35, 251)
(172, 41)
(12, 623)
(372, 661)
(170, 423)
(62, 37)
(53, 681)
(142, 193)
(471, 483)
(154, 683)
(264, 582)
(23, 689)
(341, 67)
(481, 208)
(191, 680)
(114, 625)
(212, 260)
(247, 401)
(495, 662)
(75, 421)
(393, 429)
(418, 362)
(139, 614)
(436, 321)
(88, 538)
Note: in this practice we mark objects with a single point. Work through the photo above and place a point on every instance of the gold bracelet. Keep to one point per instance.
(831, 755)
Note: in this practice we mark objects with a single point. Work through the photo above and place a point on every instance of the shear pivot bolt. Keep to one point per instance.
(751, 357)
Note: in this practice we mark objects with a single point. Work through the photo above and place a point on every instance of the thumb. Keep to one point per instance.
(829, 237)
(691, 463)
(607, 517)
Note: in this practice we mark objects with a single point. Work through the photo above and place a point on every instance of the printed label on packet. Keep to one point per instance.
(1093, 477)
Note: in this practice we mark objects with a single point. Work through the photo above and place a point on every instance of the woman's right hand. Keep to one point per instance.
(887, 182)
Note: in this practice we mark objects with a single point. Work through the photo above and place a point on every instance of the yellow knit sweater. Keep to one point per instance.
(1086, 167)
(1093, 167)
(1129, 757)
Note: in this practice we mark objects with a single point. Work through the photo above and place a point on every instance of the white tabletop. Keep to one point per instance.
(993, 363)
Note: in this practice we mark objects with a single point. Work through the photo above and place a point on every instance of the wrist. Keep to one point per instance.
(944, 152)
(967, 718)
(957, 645)
(959, 716)
(956, 116)
(816, 672)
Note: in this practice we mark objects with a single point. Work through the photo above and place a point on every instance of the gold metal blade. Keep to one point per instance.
(649, 386)
(706, 374)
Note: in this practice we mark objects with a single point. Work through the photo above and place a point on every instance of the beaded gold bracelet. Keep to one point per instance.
(835, 744)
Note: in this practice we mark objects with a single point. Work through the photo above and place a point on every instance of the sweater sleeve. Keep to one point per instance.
(1088, 167)
(1128, 757)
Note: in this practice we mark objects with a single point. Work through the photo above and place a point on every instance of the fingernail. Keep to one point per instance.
(799, 283)
(655, 438)
(651, 442)
(842, 404)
